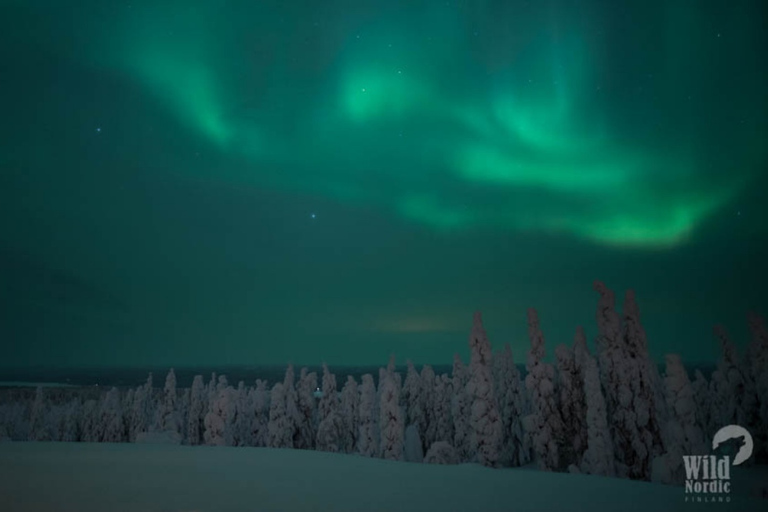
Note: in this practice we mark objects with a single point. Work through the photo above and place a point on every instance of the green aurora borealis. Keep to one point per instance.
(330, 170)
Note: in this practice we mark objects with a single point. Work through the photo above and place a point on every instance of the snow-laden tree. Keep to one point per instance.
(485, 426)
(598, 458)
(580, 349)
(291, 404)
(511, 399)
(196, 415)
(89, 426)
(330, 429)
(112, 427)
(39, 426)
(305, 429)
(648, 403)
(350, 404)
(259, 398)
(280, 434)
(441, 452)
(216, 418)
(701, 394)
(682, 431)
(441, 410)
(573, 406)
(329, 402)
(413, 451)
(428, 383)
(544, 424)
(608, 345)
(243, 413)
(128, 407)
(184, 404)
(733, 399)
(168, 412)
(367, 439)
(391, 422)
(70, 427)
(211, 389)
(141, 413)
(411, 398)
(629, 391)
(461, 410)
(330, 433)
(758, 371)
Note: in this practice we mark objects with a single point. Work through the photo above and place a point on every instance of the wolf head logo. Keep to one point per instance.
(732, 432)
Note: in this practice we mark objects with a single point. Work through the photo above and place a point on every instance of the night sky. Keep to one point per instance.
(224, 182)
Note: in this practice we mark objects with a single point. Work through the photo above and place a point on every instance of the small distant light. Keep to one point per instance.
(314, 216)
(98, 130)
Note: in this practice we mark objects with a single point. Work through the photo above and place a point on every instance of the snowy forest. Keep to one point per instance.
(607, 412)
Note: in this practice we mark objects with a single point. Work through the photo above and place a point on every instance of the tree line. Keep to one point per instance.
(607, 413)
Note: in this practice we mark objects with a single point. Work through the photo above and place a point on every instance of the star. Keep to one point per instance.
(313, 216)
(98, 130)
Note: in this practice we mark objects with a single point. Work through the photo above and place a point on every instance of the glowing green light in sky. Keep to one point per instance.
(410, 123)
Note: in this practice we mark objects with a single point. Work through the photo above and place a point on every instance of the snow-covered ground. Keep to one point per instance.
(87, 477)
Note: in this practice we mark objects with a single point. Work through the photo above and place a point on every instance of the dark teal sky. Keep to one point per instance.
(216, 182)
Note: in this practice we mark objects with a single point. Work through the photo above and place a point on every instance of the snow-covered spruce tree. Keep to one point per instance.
(211, 389)
(305, 430)
(733, 402)
(485, 427)
(185, 401)
(367, 439)
(598, 458)
(259, 398)
(151, 402)
(391, 422)
(291, 404)
(510, 395)
(168, 415)
(648, 403)
(580, 349)
(111, 418)
(441, 411)
(608, 344)
(412, 448)
(330, 429)
(703, 403)
(461, 410)
(544, 424)
(127, 408)
(280, 434)
(216, 418)
(350, 404)
(441, 452)
(758, 369)
(140, 415)
(684, 435)
(411, 399)
(197, 407)
(89, 426)
(70, 429)
(241, 419)
(39, 428)
(573, 406)
(429, 435)
(618, 369)
(329, 401)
